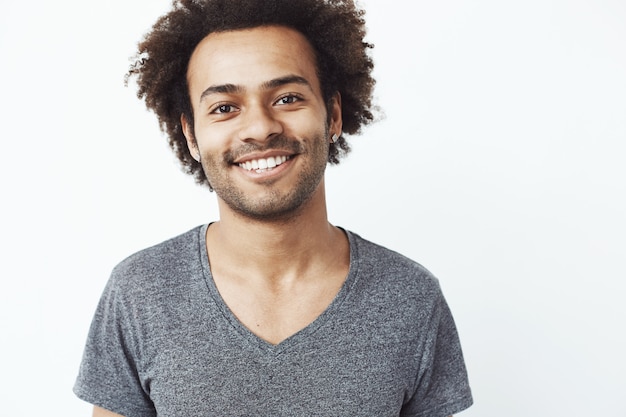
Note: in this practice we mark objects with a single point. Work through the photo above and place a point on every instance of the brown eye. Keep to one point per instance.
(224, 108)
(290, 99)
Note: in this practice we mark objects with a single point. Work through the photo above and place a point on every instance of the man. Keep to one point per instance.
(270, 311)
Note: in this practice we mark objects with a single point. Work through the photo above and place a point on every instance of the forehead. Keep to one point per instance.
(251, 57)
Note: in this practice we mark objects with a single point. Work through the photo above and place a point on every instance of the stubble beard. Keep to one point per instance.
(275, 205)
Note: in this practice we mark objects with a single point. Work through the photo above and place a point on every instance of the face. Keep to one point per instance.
(261, 126)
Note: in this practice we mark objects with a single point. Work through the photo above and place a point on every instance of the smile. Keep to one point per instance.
(264, 164)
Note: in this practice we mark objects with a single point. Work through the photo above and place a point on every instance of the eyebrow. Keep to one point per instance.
(268, 85)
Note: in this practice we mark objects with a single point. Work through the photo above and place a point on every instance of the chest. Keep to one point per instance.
(347, 376)
(274, 316)
(345, 354)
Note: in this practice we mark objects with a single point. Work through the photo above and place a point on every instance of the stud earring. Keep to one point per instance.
(334, 138)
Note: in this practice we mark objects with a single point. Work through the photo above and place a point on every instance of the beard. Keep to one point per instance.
(274, 204)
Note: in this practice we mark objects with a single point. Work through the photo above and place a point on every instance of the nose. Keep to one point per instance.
(258, 124)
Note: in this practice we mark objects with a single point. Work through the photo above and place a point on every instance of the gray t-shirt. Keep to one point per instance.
(163, 342)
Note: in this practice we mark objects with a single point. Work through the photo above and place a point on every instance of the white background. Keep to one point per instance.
(499, 166)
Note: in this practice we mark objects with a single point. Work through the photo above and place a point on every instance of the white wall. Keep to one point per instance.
(499, 166)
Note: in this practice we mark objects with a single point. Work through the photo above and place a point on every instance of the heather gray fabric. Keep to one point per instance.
(163, 343)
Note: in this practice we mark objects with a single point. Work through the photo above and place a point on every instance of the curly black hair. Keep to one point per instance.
(335, 29)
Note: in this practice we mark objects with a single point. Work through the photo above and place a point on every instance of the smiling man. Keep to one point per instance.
(270, 310)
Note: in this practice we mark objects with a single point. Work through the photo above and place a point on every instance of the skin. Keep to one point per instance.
(252, 102)
(101, 412)
(276, 260)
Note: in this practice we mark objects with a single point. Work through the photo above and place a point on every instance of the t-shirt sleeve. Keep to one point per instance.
(109, 371)
(442, 386)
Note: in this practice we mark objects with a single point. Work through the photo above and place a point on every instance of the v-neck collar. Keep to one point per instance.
(300, 336)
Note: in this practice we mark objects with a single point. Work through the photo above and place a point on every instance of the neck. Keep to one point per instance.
(276, 251)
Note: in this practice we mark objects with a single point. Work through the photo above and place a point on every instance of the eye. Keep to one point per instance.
(223, 109)
(288, 99)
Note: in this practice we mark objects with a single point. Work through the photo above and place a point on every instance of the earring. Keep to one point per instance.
(334, 138)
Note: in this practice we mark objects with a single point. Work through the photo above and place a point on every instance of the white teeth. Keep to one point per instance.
(263, 164)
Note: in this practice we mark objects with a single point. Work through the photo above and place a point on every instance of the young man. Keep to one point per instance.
(270, 311)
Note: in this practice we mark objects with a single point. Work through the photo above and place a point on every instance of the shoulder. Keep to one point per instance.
(152, 265)
(392, 270)
(374, 256)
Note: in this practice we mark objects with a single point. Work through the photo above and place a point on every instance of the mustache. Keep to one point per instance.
(281, 143)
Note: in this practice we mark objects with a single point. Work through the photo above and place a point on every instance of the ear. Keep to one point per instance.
(336, 123)
(192, 144)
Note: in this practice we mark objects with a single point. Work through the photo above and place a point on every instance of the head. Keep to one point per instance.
(335, 30)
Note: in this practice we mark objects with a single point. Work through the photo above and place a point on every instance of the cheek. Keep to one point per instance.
(211, 139)
(306, 124)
